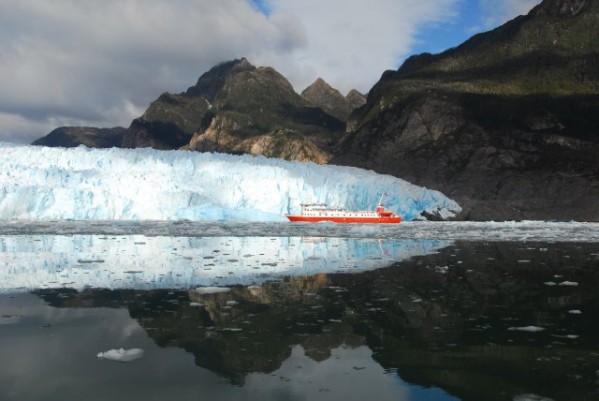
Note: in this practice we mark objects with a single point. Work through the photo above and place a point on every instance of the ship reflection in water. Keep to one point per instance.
(299, 319)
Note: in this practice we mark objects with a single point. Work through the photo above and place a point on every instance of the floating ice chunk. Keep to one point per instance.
(531, 397)
(211, 290)
(121, 354)
(196, 304)
(569, 283)
(441, 269)
(550, 283)
(549, 359)
(574, 312)
(530, 329)
(231, 329)
(568, 336)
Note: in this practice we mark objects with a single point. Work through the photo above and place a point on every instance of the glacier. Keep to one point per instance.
(43, 183)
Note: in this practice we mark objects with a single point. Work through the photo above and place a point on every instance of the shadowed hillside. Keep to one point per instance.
(506, 123)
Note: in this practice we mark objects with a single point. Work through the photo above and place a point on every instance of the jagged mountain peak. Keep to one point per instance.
(323, 95)
(237, 107)
(212, 81)
(355, 98)
(319, 85)
(321, 82)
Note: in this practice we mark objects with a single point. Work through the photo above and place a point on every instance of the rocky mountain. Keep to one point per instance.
(355, 99)
(507, 123)
(239, 108)
(331, 100)
(70, 137)
(235, 108)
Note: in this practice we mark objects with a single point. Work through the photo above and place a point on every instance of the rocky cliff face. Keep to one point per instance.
(507, 123)
(70, 137)
(280, 142)
(238, 108)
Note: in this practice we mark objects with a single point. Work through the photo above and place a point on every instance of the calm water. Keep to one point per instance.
(297, 318)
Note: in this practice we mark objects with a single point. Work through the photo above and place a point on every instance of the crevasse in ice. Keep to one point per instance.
(145, 184)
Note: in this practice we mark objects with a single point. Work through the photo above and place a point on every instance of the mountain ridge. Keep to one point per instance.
(92, 137)
(506, 123)
(331, 100)
(236, 107)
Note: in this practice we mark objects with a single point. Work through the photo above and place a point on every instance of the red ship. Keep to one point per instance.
(319, 212)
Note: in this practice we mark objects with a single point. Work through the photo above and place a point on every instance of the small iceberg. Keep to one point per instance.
(531, 397)
(122, 355)
(530, 329)
(211, 290)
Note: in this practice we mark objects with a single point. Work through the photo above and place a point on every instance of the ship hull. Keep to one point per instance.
(348, 219)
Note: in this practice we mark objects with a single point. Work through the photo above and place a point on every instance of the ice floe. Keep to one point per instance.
(530, 329)
(211, 290)
(531, 397)
(121, 354)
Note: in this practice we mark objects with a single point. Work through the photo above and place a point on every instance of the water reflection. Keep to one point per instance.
(137, 262)
(455, 324)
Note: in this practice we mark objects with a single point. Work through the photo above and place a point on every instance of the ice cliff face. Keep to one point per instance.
(144, 184)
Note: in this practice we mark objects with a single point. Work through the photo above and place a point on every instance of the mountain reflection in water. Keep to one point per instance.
(471, 321)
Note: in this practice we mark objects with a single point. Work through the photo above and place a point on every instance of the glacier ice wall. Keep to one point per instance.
(41, 183)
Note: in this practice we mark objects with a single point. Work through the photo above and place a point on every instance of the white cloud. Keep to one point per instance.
(101, 62)
(351, 43)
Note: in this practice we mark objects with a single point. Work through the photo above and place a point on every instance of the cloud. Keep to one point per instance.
(350, 43)
(101, 63)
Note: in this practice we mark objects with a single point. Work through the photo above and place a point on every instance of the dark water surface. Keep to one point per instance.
(459, 320)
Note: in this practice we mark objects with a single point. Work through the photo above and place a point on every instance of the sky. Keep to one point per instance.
(101, 62)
